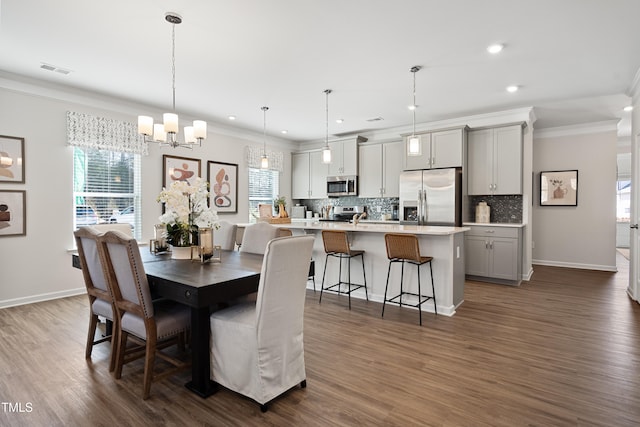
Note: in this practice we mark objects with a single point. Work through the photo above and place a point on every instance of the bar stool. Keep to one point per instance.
(404, 248)
(336, 245)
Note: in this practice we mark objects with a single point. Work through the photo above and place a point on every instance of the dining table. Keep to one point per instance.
(203, 287)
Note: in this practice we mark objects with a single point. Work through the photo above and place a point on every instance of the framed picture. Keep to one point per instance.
(176, 168)
(11, 159)
(13, 213)
(223, 179)
(559, 188)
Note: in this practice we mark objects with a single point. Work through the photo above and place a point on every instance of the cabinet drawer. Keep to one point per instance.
(488, 231)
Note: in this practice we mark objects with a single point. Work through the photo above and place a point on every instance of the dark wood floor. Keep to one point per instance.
(560, 350)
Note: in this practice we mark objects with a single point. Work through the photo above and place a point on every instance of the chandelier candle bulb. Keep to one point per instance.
(145, 125)
(189, 135)
(170, 122)
(158, 133)
(200, 129)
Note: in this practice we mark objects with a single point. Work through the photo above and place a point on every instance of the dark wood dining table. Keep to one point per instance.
(201, 287)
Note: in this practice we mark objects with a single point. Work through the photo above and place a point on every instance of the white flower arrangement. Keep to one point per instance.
(186, 209)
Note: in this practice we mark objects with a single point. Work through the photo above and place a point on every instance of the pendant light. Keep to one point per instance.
(167, 132)
(264, 162)
(414, 148)
(326, 150)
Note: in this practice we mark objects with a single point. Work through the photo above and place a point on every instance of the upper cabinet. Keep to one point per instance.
(344, 156)
(439, 149)
(380, 168)
(494, 161)
(308, 176)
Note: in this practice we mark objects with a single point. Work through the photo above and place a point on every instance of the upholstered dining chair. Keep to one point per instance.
(256, 236)
(100, 300)
(153, 327)
(257, 348)
(225, 236)
(113, 226)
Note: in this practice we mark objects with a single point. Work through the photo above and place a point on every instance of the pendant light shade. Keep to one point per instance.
(326, 150)
(264, 161)
(414, 147)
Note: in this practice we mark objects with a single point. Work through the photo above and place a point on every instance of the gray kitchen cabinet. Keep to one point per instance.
(344, 156)
(494, 253)
(494, 161)
(308, 176)
(439, 149)
(380, 168)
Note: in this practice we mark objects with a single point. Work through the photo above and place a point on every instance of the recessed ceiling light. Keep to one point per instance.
(628, 108)
(284, 131)
(495, 48)
(339, 120)
(412, 107)
(232, 117)
(512, 88)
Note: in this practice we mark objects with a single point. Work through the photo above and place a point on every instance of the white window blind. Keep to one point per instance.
(106, 188)
(264, 186)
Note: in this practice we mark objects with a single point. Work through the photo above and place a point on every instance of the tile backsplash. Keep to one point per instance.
(372, 204)
(504, 209)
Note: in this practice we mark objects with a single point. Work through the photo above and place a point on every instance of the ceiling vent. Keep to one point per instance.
(55, 69)
(375, 119)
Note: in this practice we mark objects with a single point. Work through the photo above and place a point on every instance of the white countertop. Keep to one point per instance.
(493, 224)
(376, 227)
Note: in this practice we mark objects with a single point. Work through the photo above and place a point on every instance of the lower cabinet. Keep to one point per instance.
(494, 253)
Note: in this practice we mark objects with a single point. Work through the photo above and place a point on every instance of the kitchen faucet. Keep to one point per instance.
(357, 218)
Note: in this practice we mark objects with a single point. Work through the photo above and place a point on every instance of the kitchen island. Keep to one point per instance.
(444, 244)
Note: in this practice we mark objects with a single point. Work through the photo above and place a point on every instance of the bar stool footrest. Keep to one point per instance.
(352, 287)
(421, 299)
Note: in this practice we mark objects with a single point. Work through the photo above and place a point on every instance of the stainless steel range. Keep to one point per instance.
(345, 213)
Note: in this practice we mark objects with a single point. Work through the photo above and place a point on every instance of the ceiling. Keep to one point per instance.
(574, 60)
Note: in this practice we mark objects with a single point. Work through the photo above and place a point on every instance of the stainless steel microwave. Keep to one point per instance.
(342, 186)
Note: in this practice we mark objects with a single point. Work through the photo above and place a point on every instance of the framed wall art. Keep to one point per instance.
(176, 168)
(13, 213)
(559, 188)
(223, 179)
(11, 159)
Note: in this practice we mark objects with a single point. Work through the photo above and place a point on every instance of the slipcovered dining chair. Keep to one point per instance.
(257, 348)
(152, 327)
(225, 236)
(256, 236)
(100, 300)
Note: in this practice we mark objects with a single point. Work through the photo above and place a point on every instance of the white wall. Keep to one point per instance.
(38, 266)
(583, 236)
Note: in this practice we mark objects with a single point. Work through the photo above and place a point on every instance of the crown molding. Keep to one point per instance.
(634, 88)
(43, 89)
(580, 129)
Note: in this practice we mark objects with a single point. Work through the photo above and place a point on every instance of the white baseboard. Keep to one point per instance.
(611, 268)
(42, 297)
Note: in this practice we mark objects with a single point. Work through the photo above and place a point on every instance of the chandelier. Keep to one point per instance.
(326, 150)
(166, 133)
(414, 146)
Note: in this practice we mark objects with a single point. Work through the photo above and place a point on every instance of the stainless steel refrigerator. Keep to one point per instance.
(431, 197)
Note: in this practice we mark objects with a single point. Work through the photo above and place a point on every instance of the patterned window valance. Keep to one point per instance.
(254, 155)
(84, 130)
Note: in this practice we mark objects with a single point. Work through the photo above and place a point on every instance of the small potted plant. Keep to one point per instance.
(280, 201)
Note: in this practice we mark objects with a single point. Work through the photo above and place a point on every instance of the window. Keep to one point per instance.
(264, 186)
(106, 188)
(623, 197)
